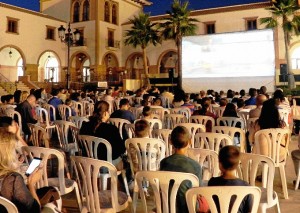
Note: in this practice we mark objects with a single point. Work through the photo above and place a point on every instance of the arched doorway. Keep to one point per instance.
(12, 63)
(168, 62)
(48, 70)
(295, 57)
(112, 68)
(81, 63)
(135, 66)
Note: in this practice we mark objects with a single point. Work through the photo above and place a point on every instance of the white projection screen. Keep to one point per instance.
(236, 61)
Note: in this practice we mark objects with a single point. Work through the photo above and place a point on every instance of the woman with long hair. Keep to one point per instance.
(98, 126)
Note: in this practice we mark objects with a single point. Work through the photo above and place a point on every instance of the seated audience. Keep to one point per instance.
(73, 112)
(205, 110)
(252, 99)
(123, 112)
(187, 103)
(240, 104)
(229, 157)
(230, 111)
(55, 101)
(179, 162)
(147, 114)
(255, 113)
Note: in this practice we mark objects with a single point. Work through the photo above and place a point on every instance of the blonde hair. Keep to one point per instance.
(24, 96)
(8, 156)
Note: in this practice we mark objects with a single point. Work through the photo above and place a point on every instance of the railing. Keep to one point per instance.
(5, 83)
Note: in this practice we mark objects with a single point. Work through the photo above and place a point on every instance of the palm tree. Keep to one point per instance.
(178, 24)
(284, 16)
(142, 33)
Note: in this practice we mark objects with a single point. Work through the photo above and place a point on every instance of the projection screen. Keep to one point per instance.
(239, 60)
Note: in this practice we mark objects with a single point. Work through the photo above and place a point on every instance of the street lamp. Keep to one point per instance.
(69, 39)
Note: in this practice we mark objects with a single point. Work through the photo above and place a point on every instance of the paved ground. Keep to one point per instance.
(291, 205)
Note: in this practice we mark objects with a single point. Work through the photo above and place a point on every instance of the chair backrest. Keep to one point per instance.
(130, 129)
(77, 120)
(62, 128)
(193, 128)
(208, 159)
(273, 140)
(182, 110)
(120, 124)
(159, 112)
(87, 171)
(244, 114)
(165, 101)
(45, 154)
(202, 119)
(251, 123)
(165, 185)
(51, 110)
(218, 110)
(212, 140)
(231, 121)
(137, 111)
(284, 115)
(248, 170)
(14, 114)
(145, 153)
(171, 120)
(75, 133)
(225, 195)
(8, 205)
(231, 131)
(154, 124)
(90, 109)
(62, 110)
(39, 135)
(91, 144)
(164, 134)
(43, 116)
(78, 107)
(85, 104)
(250, 107)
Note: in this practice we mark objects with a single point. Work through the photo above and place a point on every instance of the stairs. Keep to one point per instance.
(10, 87)
(21, 86)
(3, 92)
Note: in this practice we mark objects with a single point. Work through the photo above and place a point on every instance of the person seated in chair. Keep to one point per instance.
(229, 157)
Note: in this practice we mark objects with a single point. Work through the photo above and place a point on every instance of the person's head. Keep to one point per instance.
(8, 123)
(124, 104)
(186, 98)
(240, 103)
(31, 100)
(202, 93)
(263, 90)
(10, 99)
(144, 103)
(179, 95)
(8, 156)
(260, 99)
(230, 110)
(109, 91)
(157, 102)
(230, 93)
(278, 96)
(24, 96)
(269, 116)
(38, 93)
(100, 113)
(54, 92)
(252, 92)
(242, 93)
(146, 111)
(68, 102)
(223, 102)
(142, 128)
(205, 103)
(229, 157)
(180, 137)
(3, 99)
(17, 96)
(146, 97)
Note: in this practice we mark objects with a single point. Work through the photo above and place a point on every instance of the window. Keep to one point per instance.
(114, 14)
(251, 23)
(86, 11)
(20, 67)
(50, 33)
(210, 28)
(106, 12)
(80, 42)
(110, 39)
(12, 25)
(86, 71)
(51, 70)
(76, 12)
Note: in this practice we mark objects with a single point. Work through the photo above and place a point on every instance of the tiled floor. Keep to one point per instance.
(291, 205)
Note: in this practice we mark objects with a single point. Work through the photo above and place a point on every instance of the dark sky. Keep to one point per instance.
(157, 8)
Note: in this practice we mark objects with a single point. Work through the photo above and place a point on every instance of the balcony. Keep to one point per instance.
(81, 43)
(112, 44)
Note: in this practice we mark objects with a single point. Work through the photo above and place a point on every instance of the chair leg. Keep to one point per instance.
(264, 175)
(79, 201)
(125, 183)
(298, 179)
(283, 181)
(278, 207)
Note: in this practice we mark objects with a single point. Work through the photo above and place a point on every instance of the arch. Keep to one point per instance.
(105, 60)
(76, 11)
(16, 48)
(86, 11)
(106, 11)
(49, 68)
(114, 14)
(77, 62)
(134, 65)
(164, 61)
(295, 55)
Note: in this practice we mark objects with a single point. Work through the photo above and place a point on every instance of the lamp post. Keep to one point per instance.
(69, 39)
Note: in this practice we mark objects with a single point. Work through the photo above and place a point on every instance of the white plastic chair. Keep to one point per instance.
(62, 128)
(120, 124)
(182, 110)
(65, 185)
(96, 200)
(78, 107)
(159, 112)
(171, 120)
(145, 153)
(193, 128)
(161, 182)
(130, 128)
(224, 194)
(8, 205)
(284, 115)
(231, 121)
(211, 140)
(275, 140)
(90, 109)
(62, 110)
(51, 110)
(137, 111)
(202, 119)
(39, 136)
(231, 131)
(208, 160)
(13, 114)
(77, 120)
(218, 110)
(250, 107)
(251, 123)
(164, 134)
(44, 120)
(154, 124)
(247, 171)
(244, 114)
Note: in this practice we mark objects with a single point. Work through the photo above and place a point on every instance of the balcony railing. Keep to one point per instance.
(80, 43)
(112, 44)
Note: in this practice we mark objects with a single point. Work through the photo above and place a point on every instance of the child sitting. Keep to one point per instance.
(229, 157)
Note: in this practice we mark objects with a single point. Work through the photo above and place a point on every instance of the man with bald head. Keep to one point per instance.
(25, 109)
(255, 113)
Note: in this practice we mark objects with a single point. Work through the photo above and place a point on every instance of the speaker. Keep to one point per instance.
(171, 73)
(283, 69)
